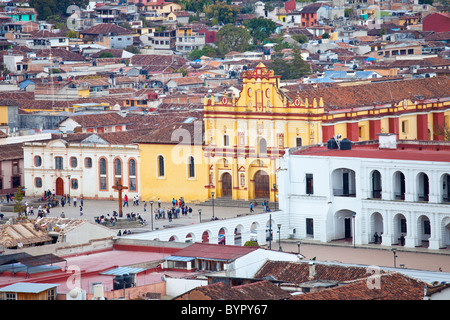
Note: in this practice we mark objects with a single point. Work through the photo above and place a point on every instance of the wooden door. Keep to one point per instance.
(226, 184)
(262, 189)
(59, 187)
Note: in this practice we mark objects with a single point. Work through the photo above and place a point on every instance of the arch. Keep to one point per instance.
(190, 238)
(261, 184)
(206, 235)
(343, 225)
(161, 166)
(445, 187)
(376, 184)
(344, 182)
(222, 236)
(226, 184)
(117, 170)
(262, 146)
(399, 185)
(422, 187)
(376, 225)
(238, 231)
(423, 229)
(103, 173)
(132, 174)
(400, 228)
(191, 167)
(445, 230)
(173, 238)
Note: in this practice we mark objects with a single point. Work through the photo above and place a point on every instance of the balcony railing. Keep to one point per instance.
(344, 193)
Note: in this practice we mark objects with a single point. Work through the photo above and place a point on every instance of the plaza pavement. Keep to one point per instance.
(336, 251)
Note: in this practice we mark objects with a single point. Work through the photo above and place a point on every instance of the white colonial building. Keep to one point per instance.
(399, 189)
(84, 164)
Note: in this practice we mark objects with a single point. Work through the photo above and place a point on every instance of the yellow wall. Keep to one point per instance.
(175, 183)
(408, 127)
(3, 114)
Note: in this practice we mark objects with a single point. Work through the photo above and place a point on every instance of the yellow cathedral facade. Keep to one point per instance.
(243, 137)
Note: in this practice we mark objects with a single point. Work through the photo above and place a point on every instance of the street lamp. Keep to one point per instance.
(212, 195)
(275, 195)
(68, 176)
(200, 214)
(270, 232)
(298, 246)
(394, 251)
(279, 236)
(354, 218)
(151, 212)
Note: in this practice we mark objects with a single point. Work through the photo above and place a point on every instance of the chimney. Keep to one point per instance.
(312, 271)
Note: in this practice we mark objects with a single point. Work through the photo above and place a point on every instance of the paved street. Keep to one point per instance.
(336, 251)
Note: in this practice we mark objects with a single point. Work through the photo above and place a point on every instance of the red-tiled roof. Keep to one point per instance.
(106, 29)
(99, 119)
(215, 251)
(393, 286)
(438, 153)
(342, 97)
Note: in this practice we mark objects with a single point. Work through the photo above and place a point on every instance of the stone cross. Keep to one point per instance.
(119, 187)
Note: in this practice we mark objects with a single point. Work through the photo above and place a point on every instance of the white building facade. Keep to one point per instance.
(88, 168)
(400, 191)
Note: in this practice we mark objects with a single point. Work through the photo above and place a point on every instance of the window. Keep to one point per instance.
(298, 142)
(117, 170)
(280, 140)
(191, 167)
(103, 174)
(262, 146)
(309, 184)
(37, 161)
(11, 296)
(52, 294)
(74, 184)
(226, 140)
(88, 162)
(73, 162)
(426, 227)
(242, 179)
(309, 227)
(59, 163)
(405, 126)
(38, 182)
(161, 172)
(132, 174)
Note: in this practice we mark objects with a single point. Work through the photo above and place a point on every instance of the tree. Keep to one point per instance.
(260, 28)
(300, 38)
(198, 53)
(19, 207)
(106, 55)
(48, 8)
(133, 49)
(293, 68)
(325, 35)
(232, 38)
(224, 13)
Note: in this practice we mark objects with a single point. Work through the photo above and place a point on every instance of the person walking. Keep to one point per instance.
(251, 207)
(74, 199)
(125, 201)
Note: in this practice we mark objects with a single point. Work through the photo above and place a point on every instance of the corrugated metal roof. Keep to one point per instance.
(178, 258)
(123, 270)
(25, 287)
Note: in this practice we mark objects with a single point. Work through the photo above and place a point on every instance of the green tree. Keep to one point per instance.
(19, 207)
(232, 38)
(300, 38)
(106, 55)
(326, 35)
(293, 68)
(198, 53)
(133, 49)
(48, 8)
(260, 28)
(224, 13)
